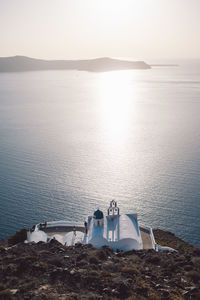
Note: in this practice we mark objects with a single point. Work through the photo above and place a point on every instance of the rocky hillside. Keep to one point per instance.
(53, 271)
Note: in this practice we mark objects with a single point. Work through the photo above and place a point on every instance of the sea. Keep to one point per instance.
(71, 141)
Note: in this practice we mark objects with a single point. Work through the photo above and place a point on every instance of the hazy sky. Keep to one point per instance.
(141, 29)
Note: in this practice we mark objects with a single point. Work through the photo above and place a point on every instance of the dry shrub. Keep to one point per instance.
(129, 270)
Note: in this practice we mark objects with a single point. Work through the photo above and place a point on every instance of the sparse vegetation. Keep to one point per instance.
(53, 271)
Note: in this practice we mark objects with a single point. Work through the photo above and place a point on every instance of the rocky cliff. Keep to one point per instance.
(53, 271)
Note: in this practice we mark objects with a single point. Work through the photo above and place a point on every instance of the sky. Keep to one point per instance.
(74, 29)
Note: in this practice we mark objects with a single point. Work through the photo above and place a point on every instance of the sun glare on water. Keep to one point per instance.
(117, 105)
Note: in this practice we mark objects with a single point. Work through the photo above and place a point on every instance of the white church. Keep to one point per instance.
(117, 231)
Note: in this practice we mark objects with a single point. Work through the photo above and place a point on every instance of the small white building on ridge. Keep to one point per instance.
(115, 230)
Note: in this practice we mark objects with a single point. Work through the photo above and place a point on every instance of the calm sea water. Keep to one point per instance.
(72, 141)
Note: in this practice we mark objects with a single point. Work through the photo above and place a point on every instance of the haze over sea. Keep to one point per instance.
(72, 141)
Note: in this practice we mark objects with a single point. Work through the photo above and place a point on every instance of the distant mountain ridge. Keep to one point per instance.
(24, 63)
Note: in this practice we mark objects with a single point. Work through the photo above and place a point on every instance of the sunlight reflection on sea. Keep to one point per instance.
(71, 141)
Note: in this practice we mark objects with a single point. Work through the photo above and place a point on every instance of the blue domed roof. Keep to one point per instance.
(98, 214)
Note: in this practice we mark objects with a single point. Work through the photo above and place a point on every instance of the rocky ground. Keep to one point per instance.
(53, 271)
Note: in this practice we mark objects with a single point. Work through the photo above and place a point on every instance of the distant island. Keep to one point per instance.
(104, 64)
(164, 65)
